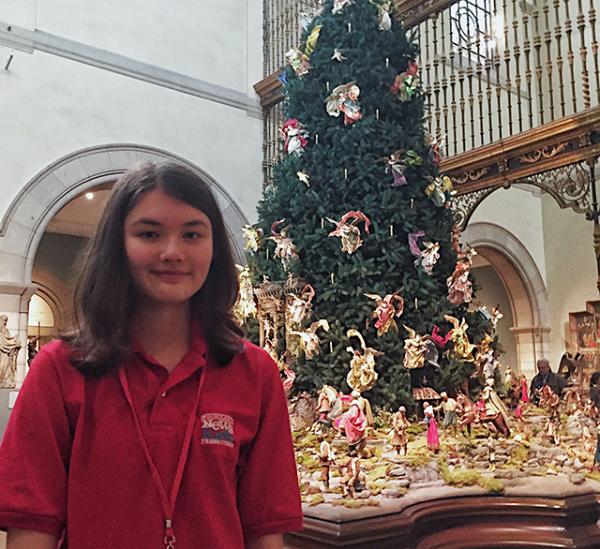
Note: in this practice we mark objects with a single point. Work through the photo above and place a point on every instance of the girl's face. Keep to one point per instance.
(169, 248)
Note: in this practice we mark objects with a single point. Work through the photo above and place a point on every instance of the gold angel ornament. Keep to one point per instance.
(463, 348)
(309, 340)
(485, 359)
(362, 375)
(298, 306)
(253, 238)
(346, 229)
(386, 310)
(245, 306)
(415, 348)
(285, 250)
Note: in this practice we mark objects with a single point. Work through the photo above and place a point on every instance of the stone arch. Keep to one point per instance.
(47, 192)
(523, 284)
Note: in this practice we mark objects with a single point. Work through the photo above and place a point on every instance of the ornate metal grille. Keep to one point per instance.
(471, 22)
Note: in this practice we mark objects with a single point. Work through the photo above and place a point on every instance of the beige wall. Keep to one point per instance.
(519, 212)
(570, 269)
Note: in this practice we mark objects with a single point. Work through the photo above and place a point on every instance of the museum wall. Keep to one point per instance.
(519, 211)
(52, 106)
(570, 269)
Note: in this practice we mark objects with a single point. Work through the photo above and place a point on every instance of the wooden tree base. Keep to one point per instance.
(459, 523)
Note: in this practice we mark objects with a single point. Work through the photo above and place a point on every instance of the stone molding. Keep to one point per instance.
(493, 236)
(24, 290)
(30, 40)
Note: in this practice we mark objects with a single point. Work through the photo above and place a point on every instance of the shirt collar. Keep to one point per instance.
(192, 360)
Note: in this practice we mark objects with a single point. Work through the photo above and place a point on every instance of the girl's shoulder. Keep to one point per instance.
(55, 356)
(56, 350)
(254, 354)
(256, 359)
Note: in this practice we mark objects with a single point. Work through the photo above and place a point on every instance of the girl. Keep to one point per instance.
(153, 424)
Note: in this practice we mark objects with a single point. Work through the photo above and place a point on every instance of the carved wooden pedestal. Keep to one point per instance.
(476, 521)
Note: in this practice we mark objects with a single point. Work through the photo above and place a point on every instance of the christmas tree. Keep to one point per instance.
(356, 228)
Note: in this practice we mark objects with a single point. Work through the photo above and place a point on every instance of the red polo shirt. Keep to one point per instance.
(70, 458)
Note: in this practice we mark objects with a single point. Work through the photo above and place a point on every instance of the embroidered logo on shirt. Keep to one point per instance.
(217, 429)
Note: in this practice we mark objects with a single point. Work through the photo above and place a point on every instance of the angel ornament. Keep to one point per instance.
(298, 61)
(309, 340)
(397, 168)
(344, 99)
(463, 348)
(298, 306)
(339, 5)
(492, 317)
(485, 359)
(253, 238)
(387, 309)
(295, 137)
(348, 231)
(285, 250)
(362, 375)
(439, 190)
(415, 348)
(245, 306)
(455, 238)
(384, 7)
(460, 288)
(435, 146)
(405, 85)
(398, 162)
(429, 257)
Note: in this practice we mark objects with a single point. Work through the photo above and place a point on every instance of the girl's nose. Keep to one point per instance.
(172, 251)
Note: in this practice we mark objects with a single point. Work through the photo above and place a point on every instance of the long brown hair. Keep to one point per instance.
(103, 299)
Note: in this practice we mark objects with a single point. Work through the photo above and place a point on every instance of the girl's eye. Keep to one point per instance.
(191, 235)
(148, 234)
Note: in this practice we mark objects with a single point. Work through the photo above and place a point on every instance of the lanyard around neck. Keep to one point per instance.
(168, 502)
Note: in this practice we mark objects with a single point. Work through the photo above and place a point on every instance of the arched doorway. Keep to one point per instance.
(524, 287)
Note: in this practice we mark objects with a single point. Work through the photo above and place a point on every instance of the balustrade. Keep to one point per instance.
(491, 69)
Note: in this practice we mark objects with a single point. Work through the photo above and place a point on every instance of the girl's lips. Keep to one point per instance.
(169, 276)
(174, 273)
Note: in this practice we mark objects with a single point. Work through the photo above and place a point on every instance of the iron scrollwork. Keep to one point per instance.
(464, 205)
(568, 185)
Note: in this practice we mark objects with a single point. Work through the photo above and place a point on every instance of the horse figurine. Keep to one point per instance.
(468, 413)
(550, 401)
(573, 399)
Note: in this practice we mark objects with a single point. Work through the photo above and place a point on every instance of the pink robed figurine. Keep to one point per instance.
(354, 424)
(524, 393)
(433, 440)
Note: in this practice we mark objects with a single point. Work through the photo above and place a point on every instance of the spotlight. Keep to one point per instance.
(89, 196)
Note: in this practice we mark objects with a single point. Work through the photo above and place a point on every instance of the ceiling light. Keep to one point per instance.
(89, 196)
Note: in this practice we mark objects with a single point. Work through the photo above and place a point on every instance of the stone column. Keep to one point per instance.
(532, 344)
(14, 303)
